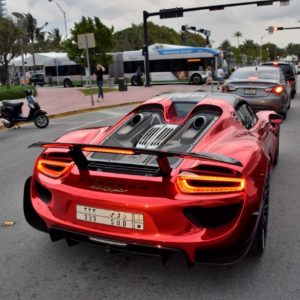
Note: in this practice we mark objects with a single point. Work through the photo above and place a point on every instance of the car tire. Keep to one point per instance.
(196, 79)
(259, 240)
(293, 94)
(275, 161)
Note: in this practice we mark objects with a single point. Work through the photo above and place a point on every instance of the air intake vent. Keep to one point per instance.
(155, 136)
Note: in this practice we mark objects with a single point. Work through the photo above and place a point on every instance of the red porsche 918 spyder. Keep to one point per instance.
(182, 172)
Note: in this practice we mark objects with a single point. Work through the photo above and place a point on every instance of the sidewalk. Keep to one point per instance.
(58, 101)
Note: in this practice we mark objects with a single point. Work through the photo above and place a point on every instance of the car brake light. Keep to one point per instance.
(227, 89)
(253, 78)
(278, 89)
(108, 150)
(190, 183)
(53, 168)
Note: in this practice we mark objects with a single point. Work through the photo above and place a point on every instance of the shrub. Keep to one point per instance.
(14, 92)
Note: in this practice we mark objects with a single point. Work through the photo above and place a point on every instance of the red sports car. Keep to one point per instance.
(182, 172)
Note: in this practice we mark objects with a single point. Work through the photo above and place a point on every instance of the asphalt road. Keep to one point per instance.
(32, 267)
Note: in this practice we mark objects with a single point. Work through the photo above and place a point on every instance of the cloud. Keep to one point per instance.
(250, 20)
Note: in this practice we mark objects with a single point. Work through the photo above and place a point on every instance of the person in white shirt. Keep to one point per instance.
(220, 77)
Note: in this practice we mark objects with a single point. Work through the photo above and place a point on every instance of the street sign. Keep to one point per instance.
(86, 40)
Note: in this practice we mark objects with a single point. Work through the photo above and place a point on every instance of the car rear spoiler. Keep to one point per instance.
(76, 152)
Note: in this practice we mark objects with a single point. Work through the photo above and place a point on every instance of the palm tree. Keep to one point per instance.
(55, 40)
(33, 33)
(238, 34)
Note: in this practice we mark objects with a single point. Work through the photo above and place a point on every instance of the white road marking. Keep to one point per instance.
(111, 113)
(89, 123)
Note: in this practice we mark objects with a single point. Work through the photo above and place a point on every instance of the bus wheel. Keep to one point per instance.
(196, 79)
(136, 80)
(68, 83)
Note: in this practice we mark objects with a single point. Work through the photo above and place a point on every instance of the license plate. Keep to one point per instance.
(110, 217)
(249, 91)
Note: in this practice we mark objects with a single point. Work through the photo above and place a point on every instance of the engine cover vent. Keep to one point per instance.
(155, 136)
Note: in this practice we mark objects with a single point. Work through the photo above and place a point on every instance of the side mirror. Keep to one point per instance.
(275, 119)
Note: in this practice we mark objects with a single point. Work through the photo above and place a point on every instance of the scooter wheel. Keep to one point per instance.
(41, 121)
(9, 125)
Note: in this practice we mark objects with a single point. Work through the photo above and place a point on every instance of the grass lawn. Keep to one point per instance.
(94, 90)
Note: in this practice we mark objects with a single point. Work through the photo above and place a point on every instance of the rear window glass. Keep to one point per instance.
(183, 108)
(253, 74)
(286, 69)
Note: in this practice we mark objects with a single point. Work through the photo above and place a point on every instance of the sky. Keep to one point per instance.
(250, 20)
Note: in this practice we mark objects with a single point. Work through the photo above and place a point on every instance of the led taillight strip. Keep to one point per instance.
(108, 150)
(53, 168)
(184, 184)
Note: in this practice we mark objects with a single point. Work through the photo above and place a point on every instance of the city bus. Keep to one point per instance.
(167, 63)
(63, 70)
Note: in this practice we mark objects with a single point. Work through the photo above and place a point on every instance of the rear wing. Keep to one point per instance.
(76, 151)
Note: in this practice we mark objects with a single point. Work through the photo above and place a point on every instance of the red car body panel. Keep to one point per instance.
(209, 227)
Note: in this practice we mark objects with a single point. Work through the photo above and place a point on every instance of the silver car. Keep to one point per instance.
(264, 88)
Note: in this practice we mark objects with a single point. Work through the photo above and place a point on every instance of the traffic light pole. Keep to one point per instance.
(146, 49)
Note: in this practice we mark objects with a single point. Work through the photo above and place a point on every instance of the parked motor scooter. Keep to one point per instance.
(11, 113)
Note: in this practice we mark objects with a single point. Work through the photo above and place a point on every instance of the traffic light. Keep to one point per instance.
(171, 13)
(145, 50)
(271, 29)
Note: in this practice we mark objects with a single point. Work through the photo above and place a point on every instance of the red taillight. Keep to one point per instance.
(228, 89)
(278, 89)
(190, 183)
(53, 168)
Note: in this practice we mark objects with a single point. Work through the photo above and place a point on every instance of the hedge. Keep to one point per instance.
(14, 92)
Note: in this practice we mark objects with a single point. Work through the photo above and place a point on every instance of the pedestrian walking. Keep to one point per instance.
(220, 77)
(209, 78)
(99, 78)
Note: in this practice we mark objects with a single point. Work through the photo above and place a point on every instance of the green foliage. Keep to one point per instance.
(14, 92)
(162, 34)
(54, 41)
(293, 49)
(250, 50)
(33, 36)
(238, 55)
(192, 39)
(9, 35)
(103, 38)
(132, 38)
(94, 90)
(238, 35)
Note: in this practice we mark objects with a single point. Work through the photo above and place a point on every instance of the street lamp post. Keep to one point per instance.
(260, 48)
(20, 17)
(64, 14)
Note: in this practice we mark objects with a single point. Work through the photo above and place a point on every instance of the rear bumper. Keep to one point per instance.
(222, 245)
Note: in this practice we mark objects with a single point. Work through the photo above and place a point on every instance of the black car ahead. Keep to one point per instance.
(37, 79)
(289, 72)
